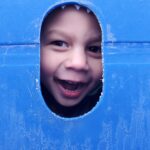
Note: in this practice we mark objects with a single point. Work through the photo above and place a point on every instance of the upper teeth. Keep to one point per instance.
(63, 7)
(77, 7)
(88, 11)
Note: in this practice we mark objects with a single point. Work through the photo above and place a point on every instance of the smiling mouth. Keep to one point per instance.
(71, 89)
(70, 85)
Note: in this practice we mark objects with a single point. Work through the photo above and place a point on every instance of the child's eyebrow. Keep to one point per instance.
(91, 39)
(57, 32)
(97, 38)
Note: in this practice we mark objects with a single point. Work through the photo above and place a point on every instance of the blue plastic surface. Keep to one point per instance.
(120, 121)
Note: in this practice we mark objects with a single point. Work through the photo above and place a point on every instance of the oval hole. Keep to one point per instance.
(71, 69)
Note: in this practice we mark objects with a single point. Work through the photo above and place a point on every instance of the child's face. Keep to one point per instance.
(71, 63)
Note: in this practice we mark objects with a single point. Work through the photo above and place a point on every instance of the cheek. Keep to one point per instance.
(97, 69)
(100, 68)
(46, 64)
(50, 60)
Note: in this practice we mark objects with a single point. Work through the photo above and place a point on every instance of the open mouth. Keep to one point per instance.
(71, 89)
(72, 86)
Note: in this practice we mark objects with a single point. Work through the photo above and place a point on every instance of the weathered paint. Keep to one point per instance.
(120, 121)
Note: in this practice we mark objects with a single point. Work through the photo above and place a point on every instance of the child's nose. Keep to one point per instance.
(77, 59)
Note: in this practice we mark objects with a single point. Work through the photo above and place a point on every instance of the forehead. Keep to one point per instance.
(70, 13)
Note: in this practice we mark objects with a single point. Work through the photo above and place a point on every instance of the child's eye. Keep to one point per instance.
(59, 43)
(94, 49)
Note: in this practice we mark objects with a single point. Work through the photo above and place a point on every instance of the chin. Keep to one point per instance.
(69, 104)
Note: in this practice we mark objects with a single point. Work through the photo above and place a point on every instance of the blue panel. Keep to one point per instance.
(124, 21)
(120, 121)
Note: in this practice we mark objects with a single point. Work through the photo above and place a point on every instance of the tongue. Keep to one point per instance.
(70, 85)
